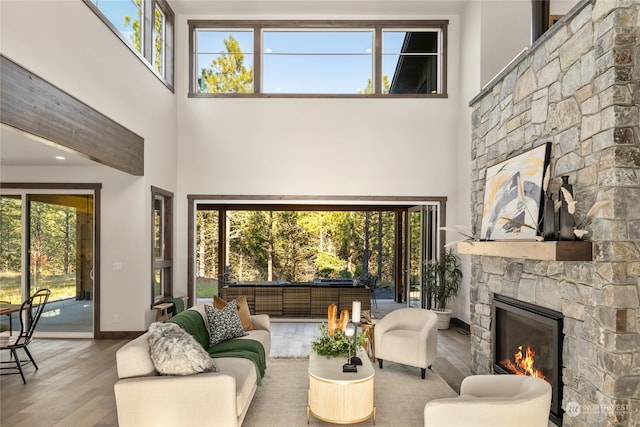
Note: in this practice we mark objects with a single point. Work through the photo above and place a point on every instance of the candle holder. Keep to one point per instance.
(350, 332)
(355, 318)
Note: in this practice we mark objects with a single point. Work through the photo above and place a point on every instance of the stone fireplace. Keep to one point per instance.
(577, 87)
(528, 341)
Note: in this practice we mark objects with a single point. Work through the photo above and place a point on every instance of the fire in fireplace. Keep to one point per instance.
(523, 363)
(527, 340)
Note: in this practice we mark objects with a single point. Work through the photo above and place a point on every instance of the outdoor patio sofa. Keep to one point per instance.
(222, 398)
(299, 300)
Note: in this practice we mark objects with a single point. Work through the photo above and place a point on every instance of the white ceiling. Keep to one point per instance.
(18, 148)
(315, 7)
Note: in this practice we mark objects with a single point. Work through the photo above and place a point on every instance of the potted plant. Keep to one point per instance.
(442, 282)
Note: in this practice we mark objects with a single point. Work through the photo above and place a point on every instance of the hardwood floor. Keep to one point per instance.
(74, 385)
(454, 356)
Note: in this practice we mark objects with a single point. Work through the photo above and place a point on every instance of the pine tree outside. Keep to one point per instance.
(276, 247)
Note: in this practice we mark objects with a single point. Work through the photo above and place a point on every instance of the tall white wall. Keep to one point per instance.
(561, 7)
(470, 59)
(505, 31)
(289, 146)
(65, 43)
(318, 146)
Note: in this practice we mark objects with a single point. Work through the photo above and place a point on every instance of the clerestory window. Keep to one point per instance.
(313, 58)
(146, 27)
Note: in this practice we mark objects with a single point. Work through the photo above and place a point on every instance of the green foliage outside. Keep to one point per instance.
(52, 251)
(386, 85)
(328, 264)
(206, 288)
(158, 41)
(10, 233)
(61, 287)
(228, 73)
(298, 246)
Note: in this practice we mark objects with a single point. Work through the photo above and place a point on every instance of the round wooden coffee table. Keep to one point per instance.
(340, 397)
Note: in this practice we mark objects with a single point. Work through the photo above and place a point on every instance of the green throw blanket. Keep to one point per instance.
(177, 307)
(246, 348)
(192, 322)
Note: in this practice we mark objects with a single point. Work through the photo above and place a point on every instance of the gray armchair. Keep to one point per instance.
(408, 336)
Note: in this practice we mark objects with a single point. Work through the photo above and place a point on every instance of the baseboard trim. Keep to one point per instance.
(118, 335)
(461, 324)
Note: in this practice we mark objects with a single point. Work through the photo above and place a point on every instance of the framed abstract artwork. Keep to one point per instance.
(513, 196)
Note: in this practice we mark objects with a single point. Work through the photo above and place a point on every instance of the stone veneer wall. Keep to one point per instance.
(579, 88)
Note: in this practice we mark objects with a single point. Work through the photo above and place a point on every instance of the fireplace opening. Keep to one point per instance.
(527, 340)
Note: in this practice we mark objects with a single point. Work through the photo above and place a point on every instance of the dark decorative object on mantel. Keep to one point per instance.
(549, 230)
(565, 219)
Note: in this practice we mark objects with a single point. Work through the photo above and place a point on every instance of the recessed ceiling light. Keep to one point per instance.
(60, 158)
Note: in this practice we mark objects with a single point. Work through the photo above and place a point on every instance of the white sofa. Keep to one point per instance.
(493, 401)
(408, 336)
(145, 398)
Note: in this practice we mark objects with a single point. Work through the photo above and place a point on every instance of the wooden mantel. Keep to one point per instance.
(548, 251)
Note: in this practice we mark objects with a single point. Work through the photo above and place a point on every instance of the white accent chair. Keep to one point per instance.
(408, 336)
(493, 401)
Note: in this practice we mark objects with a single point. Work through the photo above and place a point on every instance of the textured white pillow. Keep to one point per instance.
(223, 324)
(174, 351)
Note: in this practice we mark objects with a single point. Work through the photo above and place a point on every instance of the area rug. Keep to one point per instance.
(400, 395)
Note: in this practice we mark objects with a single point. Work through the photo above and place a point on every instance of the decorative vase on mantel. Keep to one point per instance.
(566, 221)
(549, 229)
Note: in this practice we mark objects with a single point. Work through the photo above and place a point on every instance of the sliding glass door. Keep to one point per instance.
(48, 241)
(422, 245)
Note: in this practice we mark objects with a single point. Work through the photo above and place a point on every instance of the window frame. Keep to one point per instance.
(376, 26)
(164, 263)
(223, 203)
(148, 29)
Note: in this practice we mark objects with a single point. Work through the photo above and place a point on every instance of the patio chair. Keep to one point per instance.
(371, 282)
(30, 313)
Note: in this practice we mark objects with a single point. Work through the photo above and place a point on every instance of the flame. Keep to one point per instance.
(522, 363)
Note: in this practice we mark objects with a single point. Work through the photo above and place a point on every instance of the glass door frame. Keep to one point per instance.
(25, 189)
(400, 204)
(430, 245)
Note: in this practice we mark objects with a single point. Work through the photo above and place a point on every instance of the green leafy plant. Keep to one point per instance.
(443, 278)
(336, 345)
